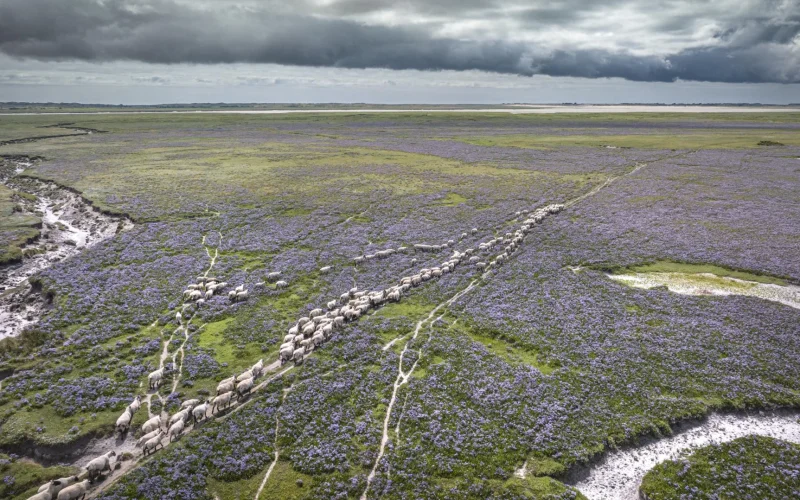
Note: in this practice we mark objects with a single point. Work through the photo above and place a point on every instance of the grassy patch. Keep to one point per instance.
(243, 489)
(16, 229)
(282, 484)
(680, 139)
(28, 476)
(511, 352)
(664, 266)
(453, 199)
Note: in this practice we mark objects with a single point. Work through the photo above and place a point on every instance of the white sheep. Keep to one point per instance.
(221, 400)
(244, 387)
(199, 411)
(147, 437)
(178, 317)
(181, 416)
(257, 368)
(99, 464)
(286, 354)
(244, 376)
(315, 312)
(135, 404)
(318, 339)
(124, 421)
(154, 378)
(228, 386)
(232, 295)
(273, 276)
(152, 445)
(297, 355)
(152, 424)
(77, 490)
(190, 403)
(176, 429)
(474, 230)
(242, 295)
(325, 270)
(51, 488)
(209, 294)
(281, 284)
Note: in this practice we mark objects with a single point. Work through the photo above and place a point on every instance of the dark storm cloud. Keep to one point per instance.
(748, 50)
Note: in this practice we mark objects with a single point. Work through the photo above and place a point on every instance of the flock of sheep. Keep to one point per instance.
(308, 333)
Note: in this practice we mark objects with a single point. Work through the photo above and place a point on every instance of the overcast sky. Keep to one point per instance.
(394, 51)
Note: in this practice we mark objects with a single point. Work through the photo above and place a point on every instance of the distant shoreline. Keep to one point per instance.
(510, 108)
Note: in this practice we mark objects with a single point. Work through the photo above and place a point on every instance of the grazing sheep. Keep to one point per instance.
(152, 445)
(154, 378)
(242, 295)
(325, 270)
(315, 312)
(77, 490)
(221, 400)
(124, 422)
(176, 429)
(152, 424)
(358, 260)
(273, 276)
(244, 376)
(147, 437)
(199, 412)
(474, 230)
(98, 465)
(226, 387)
(463, 235)
(244, 387)
(209, 294)
(297, 355)
(281, 284)
(413, 261)
(178, 317)
(232, 295)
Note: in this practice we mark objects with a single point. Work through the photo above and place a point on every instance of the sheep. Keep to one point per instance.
(178, 317)
(281, 284)
(42, 495)
(195, 295)
(327, 330)
(413, 261)
(353, 291)
(242, 295)
(221, 400)
(98, 465)
(463, 235)
(77, 490)
(308, 329)
(154, 378)
(273, 276)
(151, 445)
(474, 230)
(225, 387)
(402, 249)
(176, 429)
(124, 422)
(297, 356)
(239, 288)
(244, 387)
(182, 416)
(152, 424)
(147, 437)
(358, 260)
(190, 403)
(315, 312)
(209, 294)
(51, 488)
(318, 339)
(200, 411)
(244, 376)
(325, 270)
(257, 368)
(286, 354)
(331, 304)
(232, 295)
(135, 404)
(481, 266)
(293, 330)
(338, 321)
(450, 243)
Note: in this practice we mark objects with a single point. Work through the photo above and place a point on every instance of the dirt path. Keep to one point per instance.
(402, 378)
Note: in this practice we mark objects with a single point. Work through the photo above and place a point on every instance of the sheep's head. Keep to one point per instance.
(112, 453)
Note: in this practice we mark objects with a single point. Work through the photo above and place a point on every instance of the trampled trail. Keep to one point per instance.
(402, 378)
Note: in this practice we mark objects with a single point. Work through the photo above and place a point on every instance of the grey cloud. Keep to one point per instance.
(759, 50)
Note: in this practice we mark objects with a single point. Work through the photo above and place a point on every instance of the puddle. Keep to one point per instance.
(711, 284)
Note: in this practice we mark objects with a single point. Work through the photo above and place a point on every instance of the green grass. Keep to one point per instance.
(22, 424)
(243, 489)
(16, 229)
(752, 465)
(664, 266)
(453, 199)
(512, 352)
(28, 476)
(282, 484)
(680, 139)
